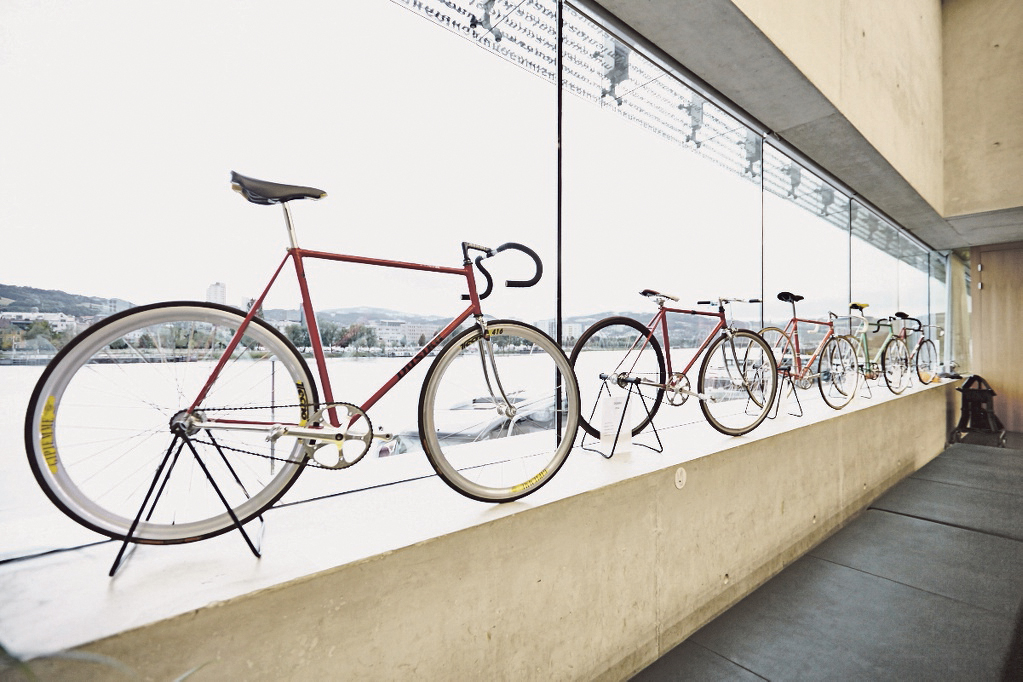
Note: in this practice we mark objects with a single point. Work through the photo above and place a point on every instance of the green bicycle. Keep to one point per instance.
(891, 360)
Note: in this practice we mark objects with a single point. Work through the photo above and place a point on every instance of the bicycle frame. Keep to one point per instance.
(861, 337)
(798, 368)
(296, 255)
(660, 319)
(905, 332)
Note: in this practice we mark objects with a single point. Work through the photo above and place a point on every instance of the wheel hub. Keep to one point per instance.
(186, 423)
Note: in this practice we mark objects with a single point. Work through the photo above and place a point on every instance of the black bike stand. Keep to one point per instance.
(621, 422)
(184, 440)
(866, 385)
(778, 399)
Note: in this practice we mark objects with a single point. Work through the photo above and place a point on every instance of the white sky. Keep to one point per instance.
(123, 119)
(129, 117)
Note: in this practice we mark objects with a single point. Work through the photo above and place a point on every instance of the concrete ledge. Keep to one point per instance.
(586, 583)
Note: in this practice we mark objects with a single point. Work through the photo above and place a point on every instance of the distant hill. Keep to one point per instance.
(17, 299)
(350, 316)
(24, 299)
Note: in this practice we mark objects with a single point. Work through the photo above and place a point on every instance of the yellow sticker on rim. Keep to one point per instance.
(46, 435)
(530, 483)
(303, 403)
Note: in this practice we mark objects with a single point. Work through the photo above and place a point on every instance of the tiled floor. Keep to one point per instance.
(926, 584)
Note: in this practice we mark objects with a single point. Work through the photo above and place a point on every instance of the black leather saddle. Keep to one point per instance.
(650, 293)
(789, 297)
(266, 193)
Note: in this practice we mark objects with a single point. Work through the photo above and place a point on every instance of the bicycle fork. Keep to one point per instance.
(742, 381)
(503, 405)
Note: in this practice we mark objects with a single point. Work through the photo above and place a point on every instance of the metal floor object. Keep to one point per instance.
(926, 584)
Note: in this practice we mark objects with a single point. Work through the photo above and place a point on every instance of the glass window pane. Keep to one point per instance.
(661, 191)
(806, 242)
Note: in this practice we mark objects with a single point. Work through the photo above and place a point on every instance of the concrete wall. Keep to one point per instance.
(983, 105)
(879, 63)
(594, 586)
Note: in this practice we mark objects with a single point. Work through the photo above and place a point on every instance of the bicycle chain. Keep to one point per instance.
(310, 461)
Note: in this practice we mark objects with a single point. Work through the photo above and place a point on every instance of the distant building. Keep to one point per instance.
(217, 293)
(116, 305)
(397, 331)
(59, 322)
(569, 330)
(388, 331)
(413, 331)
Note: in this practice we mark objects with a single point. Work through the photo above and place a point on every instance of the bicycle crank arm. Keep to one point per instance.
(622, 379)
(324, 433)
(699, 396)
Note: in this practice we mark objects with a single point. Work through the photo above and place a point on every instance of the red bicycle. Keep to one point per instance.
(832, 365)
(619, 356)
(178, 421)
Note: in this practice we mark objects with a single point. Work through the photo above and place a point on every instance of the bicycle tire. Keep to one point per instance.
(613, 346)
(839, 374)
(927, 363)
(97, 425)
(730, 385)
(459, 419)
(895, 365)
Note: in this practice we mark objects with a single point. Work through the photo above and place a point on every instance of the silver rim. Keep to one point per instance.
(839, 373)
(481, 448)
(895, 365)
(725, 376)
(110, 399)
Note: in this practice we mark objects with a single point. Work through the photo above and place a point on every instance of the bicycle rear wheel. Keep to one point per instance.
(618, 347)
(498, 414)
(738, 381)
(927, 363)
(839, 372)
(895, 365)
(98, 426)
(784, 352)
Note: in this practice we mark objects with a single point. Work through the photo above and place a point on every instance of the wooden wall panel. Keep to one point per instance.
(997, 326)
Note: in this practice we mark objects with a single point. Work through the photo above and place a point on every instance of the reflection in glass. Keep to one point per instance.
(753, 145)
(694, 109)
(614, 62)
(484, 21)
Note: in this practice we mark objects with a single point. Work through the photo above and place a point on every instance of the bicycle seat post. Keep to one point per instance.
(291, 225)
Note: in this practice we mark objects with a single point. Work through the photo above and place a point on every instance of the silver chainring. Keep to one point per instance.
(677, 383)
(352, 441)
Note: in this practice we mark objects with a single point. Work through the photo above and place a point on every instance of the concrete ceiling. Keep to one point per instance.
(717, 42)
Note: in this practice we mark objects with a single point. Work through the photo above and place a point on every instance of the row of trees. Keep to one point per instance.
(39, 330)
(333, 335)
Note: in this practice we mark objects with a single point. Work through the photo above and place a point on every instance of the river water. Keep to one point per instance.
(30, 523)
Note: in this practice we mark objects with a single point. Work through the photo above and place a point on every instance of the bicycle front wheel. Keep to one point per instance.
(99, 424)
(839, 372)
(498, 413)
(738, 382)
(895, 365)
(927, 364)
(628, 357)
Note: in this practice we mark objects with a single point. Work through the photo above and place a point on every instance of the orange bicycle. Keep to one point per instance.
(832, 365)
